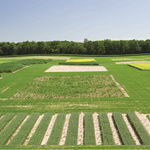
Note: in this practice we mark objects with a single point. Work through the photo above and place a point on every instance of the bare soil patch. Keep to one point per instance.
(132, 62)
(61, 68)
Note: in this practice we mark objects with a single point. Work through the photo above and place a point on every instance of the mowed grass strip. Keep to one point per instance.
(11, 128)
(72, 133)
(139, 128)
(5, 120)
(37, 137)
(24, 131)
(89, 133)
(106, 132)
(57, 130)
(83, 86)
(125, 135)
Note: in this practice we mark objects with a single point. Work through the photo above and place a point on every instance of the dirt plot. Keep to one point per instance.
(88, 86)
(132, 62)
(61, 68)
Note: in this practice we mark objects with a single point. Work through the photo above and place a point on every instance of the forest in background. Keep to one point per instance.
(103, 47)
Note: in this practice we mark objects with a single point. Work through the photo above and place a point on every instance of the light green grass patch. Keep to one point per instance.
(141, 66)
(86, 86)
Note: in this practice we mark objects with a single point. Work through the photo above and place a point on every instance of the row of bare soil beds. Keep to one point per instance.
(69, 129)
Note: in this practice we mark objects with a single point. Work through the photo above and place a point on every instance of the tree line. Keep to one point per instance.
(103, 47)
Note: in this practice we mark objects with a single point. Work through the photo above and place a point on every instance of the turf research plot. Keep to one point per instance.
(141, 66)
(62, 68)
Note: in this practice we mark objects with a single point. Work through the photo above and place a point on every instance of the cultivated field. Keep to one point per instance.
(94, 109)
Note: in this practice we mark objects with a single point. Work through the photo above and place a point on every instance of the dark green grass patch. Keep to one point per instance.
(89, 86)
(72, 133)
(79, 63)
(34, 61)
(10, 67)
(89, 133)
(57, 130)
(107, 136)
(148, 117)
(37, 137)
(11, 128)
(24, 131)
(13, 66)
(5, 120)
(139, 128)
(125, 135)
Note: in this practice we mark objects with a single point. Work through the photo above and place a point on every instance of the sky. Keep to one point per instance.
(74, 20)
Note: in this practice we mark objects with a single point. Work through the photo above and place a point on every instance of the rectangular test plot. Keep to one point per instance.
(89, 138)
(107, 136)
(72, 133)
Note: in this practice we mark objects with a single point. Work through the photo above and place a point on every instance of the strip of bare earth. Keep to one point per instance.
(80, 129)
(65, 129)
(120, 87)
(97, 129)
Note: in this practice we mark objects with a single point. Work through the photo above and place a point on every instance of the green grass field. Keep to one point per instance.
(135, 82)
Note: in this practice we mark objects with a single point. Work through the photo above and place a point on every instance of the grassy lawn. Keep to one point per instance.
(72, 95)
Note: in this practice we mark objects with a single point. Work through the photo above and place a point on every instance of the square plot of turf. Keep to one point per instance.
(141, 66)
(63, 68)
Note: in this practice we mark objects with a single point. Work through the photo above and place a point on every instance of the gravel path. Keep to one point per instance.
(97, 129)
(120, 87)
(81, 129)
(132, 62)
(63, 68)
(65, 129)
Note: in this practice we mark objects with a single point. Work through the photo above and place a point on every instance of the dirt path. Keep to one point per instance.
(120, 87)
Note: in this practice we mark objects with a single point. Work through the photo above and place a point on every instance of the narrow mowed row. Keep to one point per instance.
(107, 136)
(24, 125)
(72, 133)
(89, 135)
